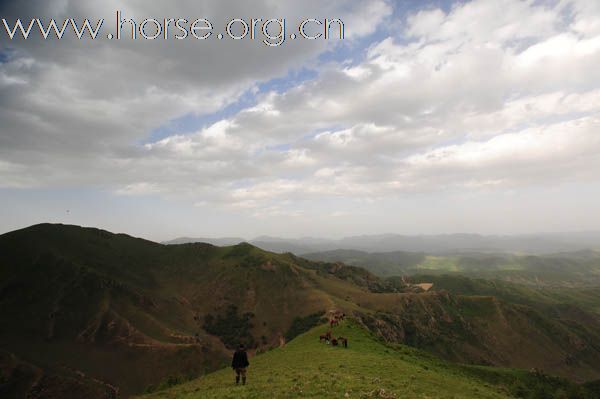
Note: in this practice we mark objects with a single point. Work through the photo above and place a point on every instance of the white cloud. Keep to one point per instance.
(548, 149)
(140, 188)
(489, 96)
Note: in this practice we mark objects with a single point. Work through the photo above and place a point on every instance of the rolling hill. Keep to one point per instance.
(368, 368)
(573, 269)
(88, 313)
(541, 297)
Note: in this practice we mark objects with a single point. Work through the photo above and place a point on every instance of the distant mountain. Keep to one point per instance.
(456, 243)
(87, 313)
(383, 264)
(281, 247)
(268, 243)
(220, 242)
(534, 244)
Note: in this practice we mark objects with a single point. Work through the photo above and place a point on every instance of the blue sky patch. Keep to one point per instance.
(192, 122)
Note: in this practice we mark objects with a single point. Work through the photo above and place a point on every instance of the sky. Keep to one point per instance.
(429, 117)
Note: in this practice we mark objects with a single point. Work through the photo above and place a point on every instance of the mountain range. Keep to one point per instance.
(88, 313)
(534, 244)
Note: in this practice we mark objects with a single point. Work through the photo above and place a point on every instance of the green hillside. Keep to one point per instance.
(88, 313)
(87, 310)
(576, 269)
(306, 368)
(545, 297)
(91, 313)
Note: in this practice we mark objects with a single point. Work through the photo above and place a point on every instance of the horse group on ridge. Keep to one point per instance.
(334, 321)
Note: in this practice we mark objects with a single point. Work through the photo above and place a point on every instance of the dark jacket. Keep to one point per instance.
(240, 360)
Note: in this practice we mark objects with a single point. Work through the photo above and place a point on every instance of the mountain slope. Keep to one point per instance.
(541, 297)
(81, 305)
(488, 331)
(91, 313)
(83, 308)
(366, 369)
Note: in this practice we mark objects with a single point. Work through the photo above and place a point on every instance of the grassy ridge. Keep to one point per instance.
(309, 369)
(306, 368)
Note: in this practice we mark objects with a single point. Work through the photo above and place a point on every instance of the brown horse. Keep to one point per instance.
(325, 337)
(343, 341)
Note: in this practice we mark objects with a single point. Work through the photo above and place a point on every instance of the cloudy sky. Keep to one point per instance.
(429, 117)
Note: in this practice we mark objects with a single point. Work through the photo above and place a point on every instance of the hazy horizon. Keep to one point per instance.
(323, 238)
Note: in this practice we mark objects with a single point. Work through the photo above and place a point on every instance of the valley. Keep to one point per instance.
(569, 270)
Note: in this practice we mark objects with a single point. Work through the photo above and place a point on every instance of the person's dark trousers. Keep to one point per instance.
(240, 372)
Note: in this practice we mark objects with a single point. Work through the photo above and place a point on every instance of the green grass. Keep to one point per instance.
(585, 298)
(306, 368)
(577, 269)
(439, 263)
(126, 310)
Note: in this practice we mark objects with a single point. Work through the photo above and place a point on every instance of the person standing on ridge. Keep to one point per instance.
(239, 363)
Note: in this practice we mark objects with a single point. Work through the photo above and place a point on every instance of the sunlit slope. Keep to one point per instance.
(307, 368)
(576, 269)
